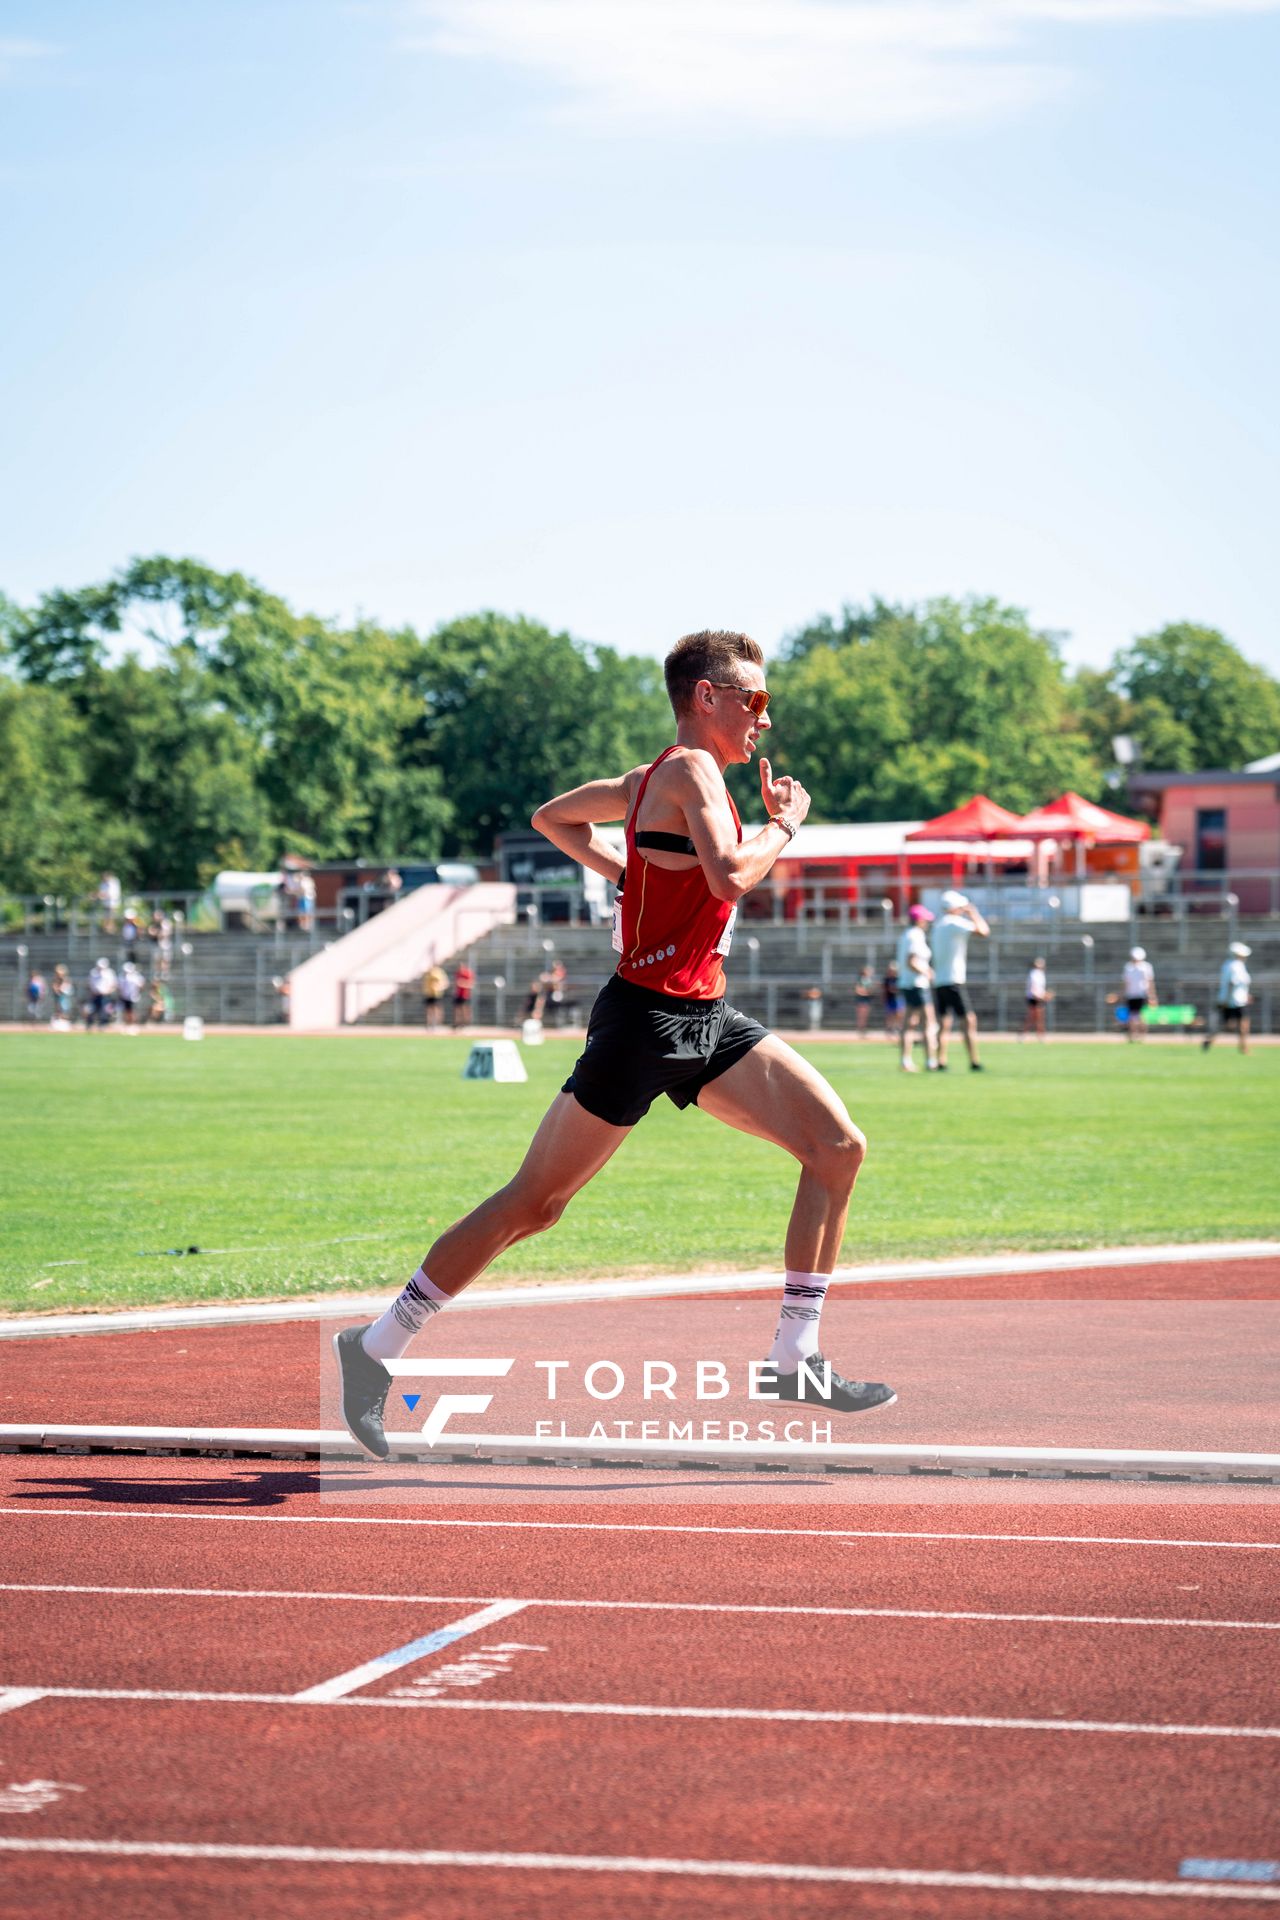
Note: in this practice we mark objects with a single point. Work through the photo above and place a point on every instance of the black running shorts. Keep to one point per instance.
(641, 1044)
(915, 998)
(951, 1000)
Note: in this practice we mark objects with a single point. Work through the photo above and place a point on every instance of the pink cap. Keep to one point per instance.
(920, 913)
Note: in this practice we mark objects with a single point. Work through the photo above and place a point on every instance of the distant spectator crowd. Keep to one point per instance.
(107, 996)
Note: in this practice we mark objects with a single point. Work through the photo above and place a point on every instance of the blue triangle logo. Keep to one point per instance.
(411, 1400)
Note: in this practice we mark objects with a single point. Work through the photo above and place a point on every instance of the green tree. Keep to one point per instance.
(54, 838)
(1104, 714)
(514, 713)
(250, 731)
(172, 767)
(894, 711)
(1197, 702)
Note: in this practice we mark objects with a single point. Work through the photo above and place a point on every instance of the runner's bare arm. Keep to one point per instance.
(569, 821)
(732, 869)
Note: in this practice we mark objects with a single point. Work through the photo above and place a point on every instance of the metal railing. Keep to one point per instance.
(32, 915)
(848, 902)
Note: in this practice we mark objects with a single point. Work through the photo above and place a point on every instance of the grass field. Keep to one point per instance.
(312, 1165)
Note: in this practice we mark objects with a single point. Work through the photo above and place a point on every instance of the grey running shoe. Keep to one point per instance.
(365, 1384)
(824, 1388)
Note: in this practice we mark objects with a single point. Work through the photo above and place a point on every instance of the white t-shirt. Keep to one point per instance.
(913, 957)
(1139, 980)
(1037, 985)
(951, 950)
(1233, 984)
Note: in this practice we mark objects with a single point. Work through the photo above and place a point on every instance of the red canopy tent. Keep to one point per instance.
(1071, 818)
(978, 819)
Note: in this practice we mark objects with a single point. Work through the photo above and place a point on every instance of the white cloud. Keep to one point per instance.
(15, 53)
(830, 67)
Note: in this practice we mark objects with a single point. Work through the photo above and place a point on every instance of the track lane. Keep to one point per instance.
(995, 1669)
(61, 1887)
(1023, 1574)
(770, 1662)
(254, 1646)
(872, 1796)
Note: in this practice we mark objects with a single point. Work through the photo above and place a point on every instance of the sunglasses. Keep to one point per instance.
(756, 698)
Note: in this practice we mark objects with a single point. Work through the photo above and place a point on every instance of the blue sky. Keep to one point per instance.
(643, 315)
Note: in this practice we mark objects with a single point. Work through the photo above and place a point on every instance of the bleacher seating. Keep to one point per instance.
(774, 980)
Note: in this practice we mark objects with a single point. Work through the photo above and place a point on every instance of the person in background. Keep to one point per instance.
(157, 1005)
(131, 985)
(891, 986)
(1139, 983)
(464, 985)
(64, 994)
(863, 993)
(1037, 998)
(916, 970)
(536, 999)
(35, 994)
(130, 934)
(555, 977)
(435, 984)
(951, 936)
(102, 993)
(110, 895)
(160, 934)
(1234, 995)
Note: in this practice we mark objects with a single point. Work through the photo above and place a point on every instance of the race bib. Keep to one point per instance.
(617, 923)
(725, 941)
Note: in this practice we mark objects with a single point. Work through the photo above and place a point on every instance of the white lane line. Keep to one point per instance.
(428, 1643)
(628, 1710)
(114, 1514)
(650, 1606)
(11, 1697)
(963, 1266)
(620, 1863)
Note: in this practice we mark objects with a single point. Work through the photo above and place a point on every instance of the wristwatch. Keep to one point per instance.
(786, 825)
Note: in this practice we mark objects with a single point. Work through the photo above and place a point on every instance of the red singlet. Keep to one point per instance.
(675, 933)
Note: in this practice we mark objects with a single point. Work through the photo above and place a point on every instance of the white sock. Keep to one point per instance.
(797, 1335)
(392, 1334)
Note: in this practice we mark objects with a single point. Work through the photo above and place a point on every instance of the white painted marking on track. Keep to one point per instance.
(632, 1710)
(419, 1649)
(33, 1796)
(12, 1697)
(650, 1606)
(640, 1864)
(661, 1286)
(115, 1514)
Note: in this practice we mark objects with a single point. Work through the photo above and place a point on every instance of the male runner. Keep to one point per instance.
(661, 1025)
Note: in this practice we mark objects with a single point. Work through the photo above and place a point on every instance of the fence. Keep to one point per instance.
(29, 914)
(844, 902)
(795, 1002)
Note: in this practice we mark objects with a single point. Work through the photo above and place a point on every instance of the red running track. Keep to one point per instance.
(941, 1698)
(1164, 1357)
(468, 1751)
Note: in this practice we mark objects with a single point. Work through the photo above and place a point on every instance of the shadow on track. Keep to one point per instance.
(266, 1489)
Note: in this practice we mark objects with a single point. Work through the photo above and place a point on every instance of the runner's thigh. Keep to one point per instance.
(569, 1148)
(774, 1093)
